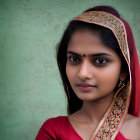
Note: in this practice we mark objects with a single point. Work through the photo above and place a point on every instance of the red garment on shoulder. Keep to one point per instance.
(59, 128)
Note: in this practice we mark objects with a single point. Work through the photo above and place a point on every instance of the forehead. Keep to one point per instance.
(86, 36)
(87, 42)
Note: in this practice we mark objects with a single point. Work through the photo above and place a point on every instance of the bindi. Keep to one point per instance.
(84, 55)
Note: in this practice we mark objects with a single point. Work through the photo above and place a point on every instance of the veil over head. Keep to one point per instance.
(128, 50)
(127, 99)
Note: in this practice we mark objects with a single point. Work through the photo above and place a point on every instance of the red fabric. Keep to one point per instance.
(59, 128)
(134, 107)
(120, 137)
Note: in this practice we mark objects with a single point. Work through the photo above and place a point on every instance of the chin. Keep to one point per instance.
(87, 97)
(93, 96)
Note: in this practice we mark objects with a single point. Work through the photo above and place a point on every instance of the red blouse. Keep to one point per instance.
(59, 128)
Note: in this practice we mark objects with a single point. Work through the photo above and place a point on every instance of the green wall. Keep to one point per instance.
(30, 86)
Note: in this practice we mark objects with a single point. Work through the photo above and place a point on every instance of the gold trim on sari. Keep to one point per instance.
(113, 119)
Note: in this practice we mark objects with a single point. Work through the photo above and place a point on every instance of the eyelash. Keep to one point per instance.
(73, 57)
(96, 61)
(104, 61)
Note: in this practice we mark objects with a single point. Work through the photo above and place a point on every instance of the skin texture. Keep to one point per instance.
(100, 68)
(89, 61)
(131, 127)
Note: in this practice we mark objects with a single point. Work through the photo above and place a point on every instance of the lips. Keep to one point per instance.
(86, 87)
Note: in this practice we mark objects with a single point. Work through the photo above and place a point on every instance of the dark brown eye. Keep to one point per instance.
(101, 61)
(74, 59)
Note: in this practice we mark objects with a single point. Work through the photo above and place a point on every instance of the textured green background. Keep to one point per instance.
(30, 86)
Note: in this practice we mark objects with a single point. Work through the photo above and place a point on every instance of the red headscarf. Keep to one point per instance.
(134, 107)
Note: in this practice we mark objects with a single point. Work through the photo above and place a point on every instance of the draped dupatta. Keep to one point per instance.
(126, 98)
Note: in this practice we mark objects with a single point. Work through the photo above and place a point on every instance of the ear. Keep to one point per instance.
(123, 76)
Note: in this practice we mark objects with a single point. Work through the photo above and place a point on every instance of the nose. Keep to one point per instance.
(85, 71)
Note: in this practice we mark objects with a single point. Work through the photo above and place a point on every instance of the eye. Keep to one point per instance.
(74, 59)
(100, 61)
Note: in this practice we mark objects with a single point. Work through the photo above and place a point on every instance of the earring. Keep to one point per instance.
(121, 84)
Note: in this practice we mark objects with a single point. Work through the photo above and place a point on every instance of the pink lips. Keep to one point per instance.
(86, 87)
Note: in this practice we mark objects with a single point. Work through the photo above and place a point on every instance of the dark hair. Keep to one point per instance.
(107, 38)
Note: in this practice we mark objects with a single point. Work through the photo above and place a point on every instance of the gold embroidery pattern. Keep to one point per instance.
(111, 123)
(111, 22)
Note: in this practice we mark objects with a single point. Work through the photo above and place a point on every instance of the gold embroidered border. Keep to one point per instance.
(114, 120)
(102, 121)
(114, 117)
(128, 93)
(111, 22)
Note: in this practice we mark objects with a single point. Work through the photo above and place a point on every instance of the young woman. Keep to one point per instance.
(100, 71)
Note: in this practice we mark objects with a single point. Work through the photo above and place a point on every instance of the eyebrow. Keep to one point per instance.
(97, 54)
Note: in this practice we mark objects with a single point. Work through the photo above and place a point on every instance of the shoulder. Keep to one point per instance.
(51, 127)
(131, 127)
(56, 120)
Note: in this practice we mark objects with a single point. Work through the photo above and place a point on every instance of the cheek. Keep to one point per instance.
(69, 72)
(111, 76)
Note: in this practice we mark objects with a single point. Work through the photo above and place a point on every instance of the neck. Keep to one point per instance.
(95, 110)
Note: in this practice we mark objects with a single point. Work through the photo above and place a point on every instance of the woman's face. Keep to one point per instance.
(93, 69)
